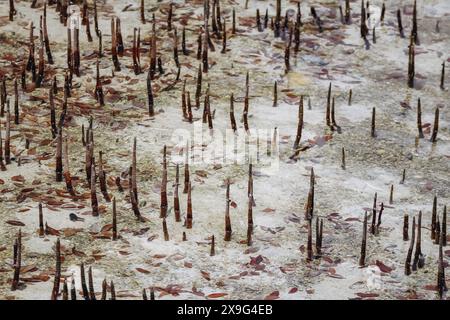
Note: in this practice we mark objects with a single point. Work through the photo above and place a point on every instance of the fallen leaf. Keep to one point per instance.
(383, 267)
(15, 223)
(205, 275)
(273, 296)
(367, 295)
(141, 270)
(216, 295)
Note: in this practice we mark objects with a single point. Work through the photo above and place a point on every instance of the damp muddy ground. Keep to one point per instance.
(274, 266)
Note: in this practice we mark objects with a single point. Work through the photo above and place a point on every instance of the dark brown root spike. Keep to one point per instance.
(144, 293)
(318, 244)
(411, 247)
(328, 109)
(441, 282)
(46, 41)
(373, 133)
(343, 166)
(189, 209)
(444, 226)
(114, 46)
(97, 30)
(73, 291)
(175, 48)
(411, 64)
(114, 220)
(442, 86)
(176, 199)
(212, 251)
(363, 26)
(391, 194)
(119, 39)
(419, 119)
(91, 284)
(2, 163)
(151, 109)
(164, 203)
(142, 11)
(113, 291)
(16, 103)
(186, 171)
(99, 88)
(433, 218)
(17, 263)
(165, 231)
(83, 282)
(65, 294)
(104, 286)
(383, 11)
(76, 52)
(400, 24)
(57, 280)
(232, 118)
(94, 201)
(362, 258)
(169, 17)
(419, 259)
(41, 221)
(133, 195)
(59, 163)
(233, 27)
(12, 10)
(275, 94)
(228, 230)
(380, 213)
(189, 107)
(374, 215)
(88, 28)
(347, 12)
(405, 227)
(224, 38)
(309, 251)
(298, 136)
(438, 231)
(8, 137)
(66, 170)
(414, 31)
(436, 126)
(102, 178)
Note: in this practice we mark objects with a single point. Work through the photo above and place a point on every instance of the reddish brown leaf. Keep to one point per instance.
(18, 178)
(273, 296)
(383, 267)
(107, 227)
(206, 275)
(15, 223)
(141, 270)
(216, 295)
